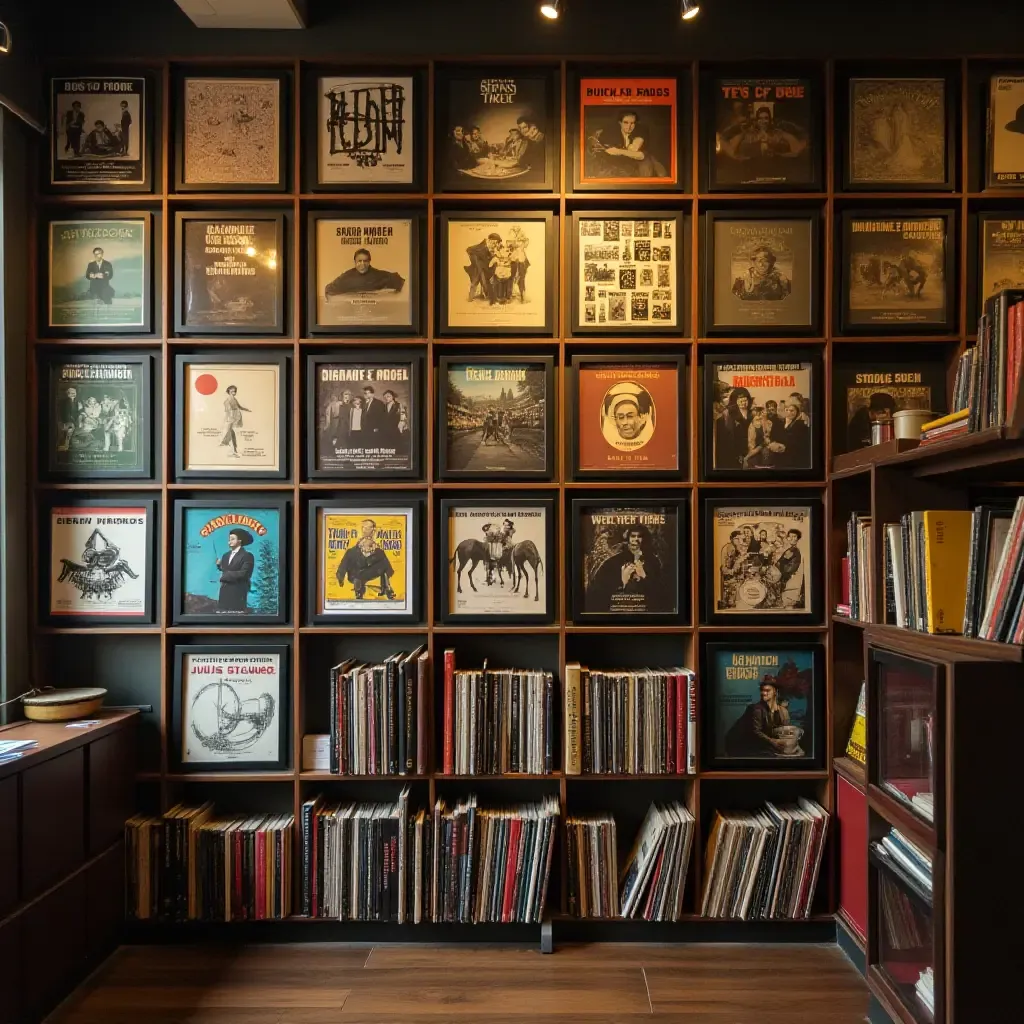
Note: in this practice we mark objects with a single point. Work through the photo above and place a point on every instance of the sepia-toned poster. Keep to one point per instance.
(627, 417)
(363, 272)
(1001, 254)
(627, 273)
(897, 131)
(627, 131)
(365, 128)
(1006, 132)
(232, 420)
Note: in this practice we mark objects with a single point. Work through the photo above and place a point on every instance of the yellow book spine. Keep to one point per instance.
(573, 754)
(857, 748)
(947, 544)
(953, 417)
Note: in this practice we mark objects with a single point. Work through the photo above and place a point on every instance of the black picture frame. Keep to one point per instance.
(444, 284)
(842, 272)
(626, 357)
(242, 501)
(255, 356)
(446, 557)
(813, 761)
(279, 219)
(763, 359)
(49, 360)
(811, 563)
(283, 705)
(237, 74)
(977, 293)
(112, 503)
(360, 502)
(633, 500)
(390, 357)
(445, 471)
(993, 181)
(418, 263)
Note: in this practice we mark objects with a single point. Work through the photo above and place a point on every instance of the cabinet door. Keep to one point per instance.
(8, 845)
(53, 821)
(852, 818)
(111, 788)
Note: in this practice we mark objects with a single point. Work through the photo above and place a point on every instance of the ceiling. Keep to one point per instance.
(267, 14)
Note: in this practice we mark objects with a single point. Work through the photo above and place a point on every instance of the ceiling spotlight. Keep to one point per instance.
(551, 9)
(5, 38)
(690, 9)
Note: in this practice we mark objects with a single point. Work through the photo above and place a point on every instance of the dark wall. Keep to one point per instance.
(20, 78)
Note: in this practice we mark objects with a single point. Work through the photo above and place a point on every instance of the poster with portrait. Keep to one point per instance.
(765, 134)
(627, 133)
(761, 274)
(765, 705)
(99, 563)
(496, 418)
(99, 416)
(229, 562)
(1000, 253)
(1005, 168)
(365, 272)
(98, 133)
(230, 417)
(628, 417)
(627, 273)
(495, 131)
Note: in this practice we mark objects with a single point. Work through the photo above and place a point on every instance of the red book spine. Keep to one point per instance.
(691, 724)
(510, 868)
(679, 684)
(845, 577)
(261, 876)
(670, 723)
(653, 885)
(449, 712)
(236, 899)
(1002, 584)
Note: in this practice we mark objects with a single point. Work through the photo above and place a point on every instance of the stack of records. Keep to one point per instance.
(995, 591)
(908, 859)
(654, 875)
(593, 866)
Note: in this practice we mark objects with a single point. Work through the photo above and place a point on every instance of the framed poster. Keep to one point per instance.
(763, 562)
(366, 559)
(627, 134)
(627, 417)
(496, 418)
(232, 132)
(764, 134)
(497, 561)
(231, 707)
(99, 566)
(231, 416)
(229, 272)
(899, 135)
(496, 273)
(99, 133)
(897, 271)
(629, 560)
(98, 413)
(1005, 165)
(1000, 253)
(762, 415)
(495, 130)
(98, 270)
(762, 273)
(764, 706)
(231, 562)
(627, 273)
(365, 273)
(363, 414)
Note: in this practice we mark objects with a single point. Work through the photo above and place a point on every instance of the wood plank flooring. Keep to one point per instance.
(596, 984)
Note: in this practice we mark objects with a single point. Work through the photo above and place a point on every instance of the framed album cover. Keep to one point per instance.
(627, 417)
(231, 562)
(231, 708)
(100, 569)
(98, 269)
(1005, 164)
(496, 418)
(762, 415)
(497, 561)
(364, 418)
(365, 272)
(764, 706)
(100, 133)
(627, 272)
(1000, 253)
(762, 272)
(366, 556)
(764, 134)
(762, 562)
(495, 130)
(231, 416)
(229, 272)
(627, 133)
(496, 273)
(898, 271)
(98, 416)
(899, 135)
(630, 560)
(231, 132)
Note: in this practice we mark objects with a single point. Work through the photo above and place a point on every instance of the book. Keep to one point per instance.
(856, 747)
(947, 536)
(449, 712)
(571, 719)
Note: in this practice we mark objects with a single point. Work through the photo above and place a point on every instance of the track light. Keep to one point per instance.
(551, 9)
(5, 38)
(689, 9)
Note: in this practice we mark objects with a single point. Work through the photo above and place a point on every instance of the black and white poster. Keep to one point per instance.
(1000, 253)
(1006, 132)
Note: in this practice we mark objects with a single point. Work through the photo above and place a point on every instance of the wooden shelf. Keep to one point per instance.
(861, 460)
(942, 643)
(233, 777)
(899, 814)
(853, 771)
(627, 777)
(320, 775)
(845, 620)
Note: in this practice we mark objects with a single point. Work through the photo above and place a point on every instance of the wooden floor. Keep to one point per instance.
(598, 984)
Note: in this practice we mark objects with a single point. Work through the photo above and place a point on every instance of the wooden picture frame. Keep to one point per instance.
(1005, 100)
(1000, 257)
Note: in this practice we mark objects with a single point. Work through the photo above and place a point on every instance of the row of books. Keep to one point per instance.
(764, 864)
(906, 928)
(634, 722)
(994, 601)
(188, 865)
(857, 575)
(990, 386)
(906, 857)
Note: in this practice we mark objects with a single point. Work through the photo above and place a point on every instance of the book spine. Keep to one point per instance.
(681, 725)
(343, 724)
(307, 840)
(573, 753)
(407, 751)
(889, 582)
(691, 726)
(449, 712)
(667, 687)
(422, 714)
(335, 739)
